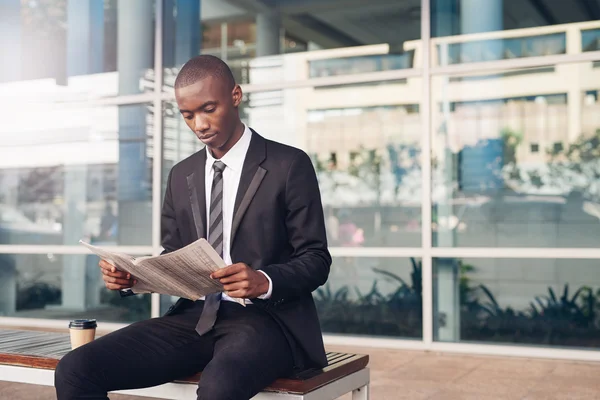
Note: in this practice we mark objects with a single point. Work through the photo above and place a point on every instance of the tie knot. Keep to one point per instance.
(219, 166)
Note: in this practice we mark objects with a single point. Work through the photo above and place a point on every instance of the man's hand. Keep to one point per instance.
(241, 281)
(115, 279)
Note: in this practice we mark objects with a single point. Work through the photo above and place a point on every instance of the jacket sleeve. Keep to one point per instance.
(310, 261)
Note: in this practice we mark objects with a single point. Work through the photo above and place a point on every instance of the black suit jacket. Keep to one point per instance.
(278, 226)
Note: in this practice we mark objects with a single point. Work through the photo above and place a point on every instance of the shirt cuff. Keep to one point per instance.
(268, 294)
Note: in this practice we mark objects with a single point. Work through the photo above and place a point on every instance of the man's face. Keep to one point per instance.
(210, 110)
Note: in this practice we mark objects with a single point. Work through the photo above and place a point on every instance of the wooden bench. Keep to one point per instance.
(31, 357)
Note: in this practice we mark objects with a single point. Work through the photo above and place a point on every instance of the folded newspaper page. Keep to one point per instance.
(184, 272)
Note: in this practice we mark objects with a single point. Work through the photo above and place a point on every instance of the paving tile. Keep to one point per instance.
(486, 384)
(571, 395)
(521, 369)
(458, 395)
(569, 384)
(412, 389)
(449, 361)
(524, 370)
(393, 392)
(577, 370)
(436, 374)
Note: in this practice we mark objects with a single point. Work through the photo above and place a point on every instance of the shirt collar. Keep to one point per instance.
(235, 157)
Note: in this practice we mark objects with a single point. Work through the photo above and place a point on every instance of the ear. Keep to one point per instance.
(236, 95)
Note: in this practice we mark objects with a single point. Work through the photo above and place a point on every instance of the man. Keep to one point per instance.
(257, 202)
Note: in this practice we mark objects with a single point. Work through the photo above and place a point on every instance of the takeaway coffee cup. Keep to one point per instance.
(82, 331)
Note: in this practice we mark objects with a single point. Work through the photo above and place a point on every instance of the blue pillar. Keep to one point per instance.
(85, 37)
(476, 17)
(188, 32)
(135, 56)
(85, 55)
(444, 18)
(135, 52)
(268, 33)
(182, 31)
(10, 40)
(168, 39)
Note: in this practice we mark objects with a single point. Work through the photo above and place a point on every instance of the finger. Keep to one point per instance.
(105, 265)
(236, 286)
(108, 266)
(227, 271)
(118, 274)
(239, 277)
(114, 286)
(117, 281)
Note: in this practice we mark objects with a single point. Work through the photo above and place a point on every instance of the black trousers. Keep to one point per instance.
(245, 352)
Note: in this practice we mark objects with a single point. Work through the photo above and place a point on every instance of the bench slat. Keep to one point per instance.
(44, 349)
(339, 357)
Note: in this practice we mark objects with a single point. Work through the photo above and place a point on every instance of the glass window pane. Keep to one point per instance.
(463, 31)
(76, 173)
(366, 153)
(295, 40)
(372, 296)
(545, 302)
(76, 49)
(515, 158)
(590, 39)
(59, 286)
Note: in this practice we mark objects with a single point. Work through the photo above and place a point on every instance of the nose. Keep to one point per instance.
(201, 123)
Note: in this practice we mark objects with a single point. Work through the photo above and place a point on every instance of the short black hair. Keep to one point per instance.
(201, 67)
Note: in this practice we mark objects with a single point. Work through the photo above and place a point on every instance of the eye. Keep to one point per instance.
(210, 109)
(188, 117)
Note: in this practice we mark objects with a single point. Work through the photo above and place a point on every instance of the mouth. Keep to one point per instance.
(207, 136)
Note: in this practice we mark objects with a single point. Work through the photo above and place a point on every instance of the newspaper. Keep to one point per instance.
(184, 272)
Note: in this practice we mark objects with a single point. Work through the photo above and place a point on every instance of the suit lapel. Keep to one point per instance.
(252, 176)
(196, 190)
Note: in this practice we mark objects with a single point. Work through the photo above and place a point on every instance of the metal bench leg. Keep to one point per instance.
(361, 393)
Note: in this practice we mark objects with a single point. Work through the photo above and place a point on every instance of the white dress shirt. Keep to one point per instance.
(234, 161)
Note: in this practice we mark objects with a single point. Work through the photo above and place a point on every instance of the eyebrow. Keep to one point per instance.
(206, 104)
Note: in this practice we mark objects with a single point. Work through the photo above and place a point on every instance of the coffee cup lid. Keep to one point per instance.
(82, 324)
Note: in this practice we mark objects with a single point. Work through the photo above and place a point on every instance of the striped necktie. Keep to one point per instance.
(215, 238)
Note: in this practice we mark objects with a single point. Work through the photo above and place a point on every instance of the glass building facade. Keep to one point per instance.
(457, 148)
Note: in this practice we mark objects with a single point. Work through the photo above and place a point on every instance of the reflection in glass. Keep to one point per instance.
(372, 296)
(85, 175)
(266, 46)
(465, 32)
(529, 301)
(467, 16)
(63, 287)
(360, 64)
(74, 50)
(502, 49)
(516, 158)
(590, 40)
(367, 162)
(366, 153)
